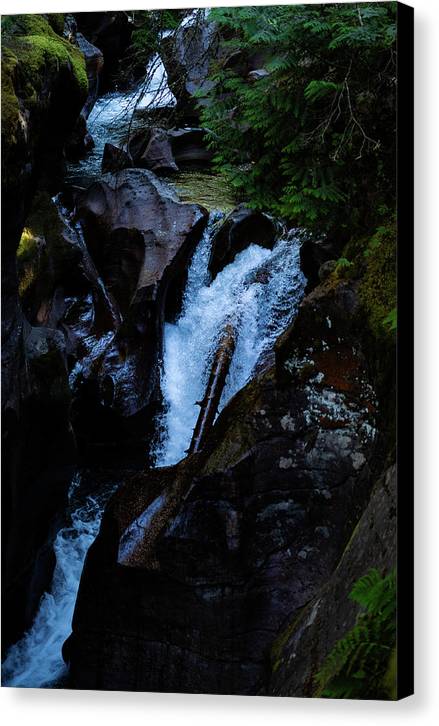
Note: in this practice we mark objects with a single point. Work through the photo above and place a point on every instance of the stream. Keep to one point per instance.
(261, 289)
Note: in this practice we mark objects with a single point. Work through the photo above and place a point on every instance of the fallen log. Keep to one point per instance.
(218, 374)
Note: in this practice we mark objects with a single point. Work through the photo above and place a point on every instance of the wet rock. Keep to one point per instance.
(37, 445)
(303, 646)
(189, 147)
(241, 228)
(187, 55)
(240, 537)
(115, 159)
(80, 140)
(137, 144)
(158, 155)
(141, 237)
(94, 62)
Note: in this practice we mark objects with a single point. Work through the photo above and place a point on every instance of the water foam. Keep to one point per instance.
(259, 292)
(36, 660)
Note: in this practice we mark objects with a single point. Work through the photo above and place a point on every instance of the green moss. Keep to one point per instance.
(10, 109)
(30, 48)
(378, 284)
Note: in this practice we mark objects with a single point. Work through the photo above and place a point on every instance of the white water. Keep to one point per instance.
(259, 292)
(111, 119)
(36, 660)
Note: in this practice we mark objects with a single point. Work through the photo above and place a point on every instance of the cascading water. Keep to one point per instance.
(36, 660)
(259, 292)
(115, 115)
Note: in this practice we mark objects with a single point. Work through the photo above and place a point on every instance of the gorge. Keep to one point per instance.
(126, 254)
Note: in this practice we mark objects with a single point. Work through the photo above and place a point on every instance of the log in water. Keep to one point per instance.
(217, 379)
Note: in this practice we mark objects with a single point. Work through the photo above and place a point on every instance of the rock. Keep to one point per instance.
(257, 74)
(241, 228)
(314, 253)
(187, 55)
(158, 155)
(137, 143)
(141, 237)
(80, 140)
(115, 159)
(38, 115)
(189, 147)
(327, 269)
(241, 537)
(94, 62)
(111, 33)
(305, 643)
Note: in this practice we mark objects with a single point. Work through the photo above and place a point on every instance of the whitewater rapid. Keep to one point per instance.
(259, 292)
(36, 660)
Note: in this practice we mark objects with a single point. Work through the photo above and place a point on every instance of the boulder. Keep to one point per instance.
(197, 567)
(189, 147)
(141, 237)
(158, 155)
(241, 228)
(115, 159)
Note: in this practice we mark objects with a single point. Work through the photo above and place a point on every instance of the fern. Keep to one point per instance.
(358, 665)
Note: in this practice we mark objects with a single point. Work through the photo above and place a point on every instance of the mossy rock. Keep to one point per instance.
(31, 50)
(378, 285)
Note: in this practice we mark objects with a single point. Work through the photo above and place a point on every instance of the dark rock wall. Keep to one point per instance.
(242, 536)
(305, 643)
(38, 113)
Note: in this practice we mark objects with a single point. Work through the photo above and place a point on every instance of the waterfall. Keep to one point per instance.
(259, 292)
(111, 119)
(36, 660)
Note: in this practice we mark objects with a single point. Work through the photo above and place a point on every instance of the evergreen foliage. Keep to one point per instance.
(362, 664)
(313, 138)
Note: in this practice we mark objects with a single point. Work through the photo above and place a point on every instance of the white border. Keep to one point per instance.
(71, 708)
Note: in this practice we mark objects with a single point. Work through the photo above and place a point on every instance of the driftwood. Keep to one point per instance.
(214, 388)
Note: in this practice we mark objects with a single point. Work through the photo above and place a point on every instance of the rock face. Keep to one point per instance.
(186, 56)
(38, 115)
(80, 141)
(197, 567)
(305, 644)
(140, 237)
(241, 228)
(111, 33)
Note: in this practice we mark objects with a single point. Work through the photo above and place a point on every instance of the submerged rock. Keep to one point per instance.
(240, 229)
(198, 566)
